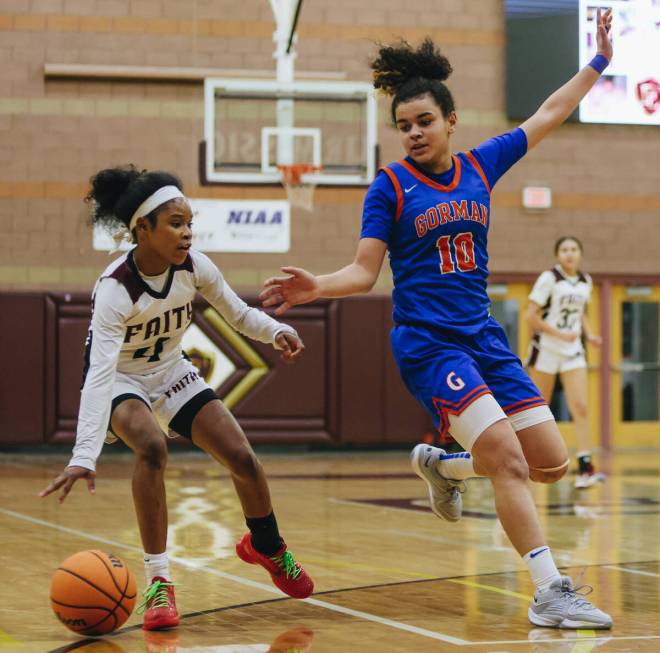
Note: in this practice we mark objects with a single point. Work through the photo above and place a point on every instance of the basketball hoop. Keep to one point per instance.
(299, 192)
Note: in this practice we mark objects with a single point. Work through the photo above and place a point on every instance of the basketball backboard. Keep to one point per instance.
(251, 126)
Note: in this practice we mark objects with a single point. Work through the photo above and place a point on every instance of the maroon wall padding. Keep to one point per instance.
(22, 378)
(374, 406)
(73, 313)
(346, 388)
(361, 369)
(291, 403)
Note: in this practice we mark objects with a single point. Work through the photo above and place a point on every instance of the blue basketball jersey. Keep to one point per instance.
(447, 348)
(436, 228)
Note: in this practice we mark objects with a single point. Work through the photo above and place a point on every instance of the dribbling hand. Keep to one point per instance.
(300, 287)
(66, 480)
(292, 347)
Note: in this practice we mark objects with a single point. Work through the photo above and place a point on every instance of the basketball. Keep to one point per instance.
(92, 592)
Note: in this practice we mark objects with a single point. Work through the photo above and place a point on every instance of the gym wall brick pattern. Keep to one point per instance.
(55, 133)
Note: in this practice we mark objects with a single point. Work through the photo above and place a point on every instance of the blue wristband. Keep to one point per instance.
(599, 63)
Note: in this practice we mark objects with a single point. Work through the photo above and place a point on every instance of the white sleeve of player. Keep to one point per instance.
(111, 304)
(542, 288)
(251, 322)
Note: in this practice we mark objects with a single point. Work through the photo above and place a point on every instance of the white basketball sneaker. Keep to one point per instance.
(561, 606)
(444, 493)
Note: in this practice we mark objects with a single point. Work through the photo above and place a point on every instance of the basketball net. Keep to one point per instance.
(299, 192)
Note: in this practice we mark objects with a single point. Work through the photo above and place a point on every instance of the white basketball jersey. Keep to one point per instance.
(138, 330)
(563, 301)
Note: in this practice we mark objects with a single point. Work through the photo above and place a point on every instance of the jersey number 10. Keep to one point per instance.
(464, 253)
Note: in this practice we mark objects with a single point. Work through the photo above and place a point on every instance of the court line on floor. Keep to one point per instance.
(436, 579)
(490, 588)
(245, 581)
(424, 577)
(420, 576)
(323, 604)
(7, 640)
(567, 557)
(632, 571)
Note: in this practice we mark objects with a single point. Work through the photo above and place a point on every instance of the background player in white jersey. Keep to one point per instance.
(558, 316)
(138, 382)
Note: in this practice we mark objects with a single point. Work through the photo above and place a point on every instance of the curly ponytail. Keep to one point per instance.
(116, 193)
(406, 73)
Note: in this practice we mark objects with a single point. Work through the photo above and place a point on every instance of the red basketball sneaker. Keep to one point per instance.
(284, 571)
(159, 605)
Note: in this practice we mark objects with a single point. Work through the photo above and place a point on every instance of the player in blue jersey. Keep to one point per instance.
(431, 212)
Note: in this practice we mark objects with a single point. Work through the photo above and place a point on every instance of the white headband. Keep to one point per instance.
(152, 202)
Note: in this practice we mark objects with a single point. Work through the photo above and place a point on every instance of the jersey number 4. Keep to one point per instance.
(152, 352)
(464, 253)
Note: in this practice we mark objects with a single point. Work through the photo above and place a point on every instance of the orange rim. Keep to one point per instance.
(292, 173)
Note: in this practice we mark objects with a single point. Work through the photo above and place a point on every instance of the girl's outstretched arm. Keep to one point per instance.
(565, 99)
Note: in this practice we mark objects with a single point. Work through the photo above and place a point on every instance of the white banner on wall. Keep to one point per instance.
(229, 226)
(628, 92)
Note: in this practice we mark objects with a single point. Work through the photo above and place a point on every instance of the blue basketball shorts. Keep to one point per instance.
(447, 371)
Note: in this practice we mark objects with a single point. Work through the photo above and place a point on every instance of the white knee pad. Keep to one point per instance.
(474, 420)
(530, 417)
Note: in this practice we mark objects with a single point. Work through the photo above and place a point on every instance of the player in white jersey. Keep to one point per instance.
(558, 316)
(138, 382)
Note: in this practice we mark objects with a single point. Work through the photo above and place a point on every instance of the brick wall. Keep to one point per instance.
(55, 134)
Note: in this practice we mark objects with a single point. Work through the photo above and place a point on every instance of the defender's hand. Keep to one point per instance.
(292, 347)
(66, 480)
(300, 287)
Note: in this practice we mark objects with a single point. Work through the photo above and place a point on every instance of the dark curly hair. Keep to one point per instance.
(116, 193)
(406, 73)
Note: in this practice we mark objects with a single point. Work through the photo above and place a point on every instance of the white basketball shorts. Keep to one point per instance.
(550, 362)
(165, 392)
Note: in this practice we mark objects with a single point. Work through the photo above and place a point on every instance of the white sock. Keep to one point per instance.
(457, 466)
(156, 564)
(541, 567)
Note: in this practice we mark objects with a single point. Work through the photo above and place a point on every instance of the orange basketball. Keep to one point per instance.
(92, 592)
